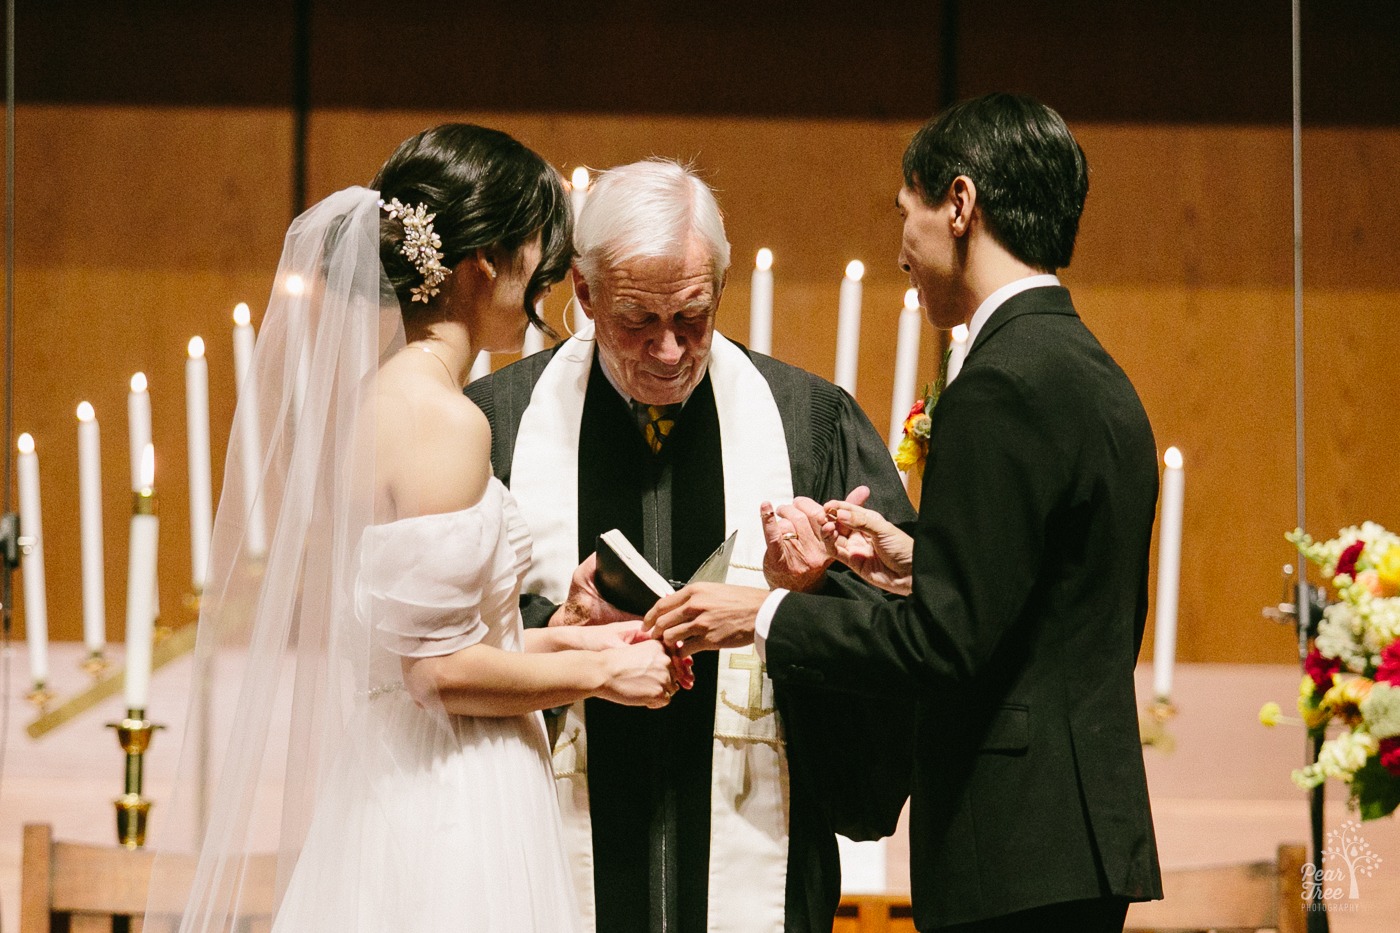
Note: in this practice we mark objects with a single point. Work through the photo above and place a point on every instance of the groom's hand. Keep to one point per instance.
(706, 617)
(585, 605)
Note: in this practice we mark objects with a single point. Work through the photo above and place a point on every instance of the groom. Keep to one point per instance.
(1026, 573)
(717, 812)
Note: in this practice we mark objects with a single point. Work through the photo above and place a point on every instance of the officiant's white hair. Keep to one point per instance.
(643, 210)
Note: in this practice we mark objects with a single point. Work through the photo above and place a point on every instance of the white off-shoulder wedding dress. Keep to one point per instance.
(427, 821)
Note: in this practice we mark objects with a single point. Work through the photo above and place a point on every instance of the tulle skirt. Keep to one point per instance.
(430, 823)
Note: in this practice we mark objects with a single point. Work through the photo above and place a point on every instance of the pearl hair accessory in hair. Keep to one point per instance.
(420, 246)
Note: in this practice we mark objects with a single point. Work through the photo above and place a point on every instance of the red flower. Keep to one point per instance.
(1389, 669)
(1321, 669)
(1346, 564)
(1390, 755)
(917, 408)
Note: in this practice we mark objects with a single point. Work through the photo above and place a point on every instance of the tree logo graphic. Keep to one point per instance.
(1347, 858)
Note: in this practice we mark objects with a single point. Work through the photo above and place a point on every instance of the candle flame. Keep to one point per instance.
(764, 260)
(196, 347)
(855, 270)
(911, 300)
(1172, 458)
(295, 285)
(148, 467)
(241, 315)
(26, 444)
(579, 179)
(85, 412)
(138, 382)
(961, 333)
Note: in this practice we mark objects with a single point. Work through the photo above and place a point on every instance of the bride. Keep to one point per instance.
(370, 589)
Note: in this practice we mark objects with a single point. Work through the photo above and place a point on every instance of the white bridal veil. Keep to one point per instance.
(277, 618)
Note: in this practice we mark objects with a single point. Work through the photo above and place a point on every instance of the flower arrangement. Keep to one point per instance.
(1352, 671)
(913, 446)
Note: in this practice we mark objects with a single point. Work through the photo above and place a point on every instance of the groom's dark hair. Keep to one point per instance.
(1030, 173)
(489, 192)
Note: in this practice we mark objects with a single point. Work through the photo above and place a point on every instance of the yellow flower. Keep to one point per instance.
(1269, 714)
(1388, 569)
(1344, 698)
(908, 453)
(918, 425)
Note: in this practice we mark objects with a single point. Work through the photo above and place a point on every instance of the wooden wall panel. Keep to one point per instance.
(155, 221)
(137, 228)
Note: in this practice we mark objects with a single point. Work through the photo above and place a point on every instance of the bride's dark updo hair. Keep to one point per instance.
(489, 193)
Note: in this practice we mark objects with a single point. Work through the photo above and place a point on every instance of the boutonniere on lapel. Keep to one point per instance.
(913, 446)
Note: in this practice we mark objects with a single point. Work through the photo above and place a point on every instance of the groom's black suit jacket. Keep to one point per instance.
(1019, 641)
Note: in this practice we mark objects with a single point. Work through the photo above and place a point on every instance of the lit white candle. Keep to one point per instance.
(761, 303)
(957, 352)
(138, 419)
(36, 611)
(578, 194)
(480, 367)
(90, 530)
(848, 326)
(140, 590)
(249, 430)
(197, 439)
(1168, 572)
(906, 365)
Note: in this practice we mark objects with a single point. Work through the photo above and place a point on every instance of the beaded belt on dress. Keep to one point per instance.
(379, 690)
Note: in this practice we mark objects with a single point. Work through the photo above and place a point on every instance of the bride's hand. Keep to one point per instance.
(642, 674)
(585, 605)
(872, 546)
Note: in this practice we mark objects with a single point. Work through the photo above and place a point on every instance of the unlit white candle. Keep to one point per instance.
(197, 439)
(295, 286)
(249, 430)
(957, 352)
(1168, 572)
(906, 365)
(534, 337)
(761, 303)
(140, 595)
(90, 529)
(138, 415)
(848, 326)
(36, 611)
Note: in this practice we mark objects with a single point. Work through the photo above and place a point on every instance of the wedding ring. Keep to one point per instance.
(789, 536)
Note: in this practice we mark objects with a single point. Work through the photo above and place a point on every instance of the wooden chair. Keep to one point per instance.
(68, 887)
(1254, 896)
(1251, 896)
(874, 913)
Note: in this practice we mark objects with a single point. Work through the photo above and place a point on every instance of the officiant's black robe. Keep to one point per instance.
(649, 771)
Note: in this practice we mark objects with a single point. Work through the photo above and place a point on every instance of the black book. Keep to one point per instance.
(629, 582)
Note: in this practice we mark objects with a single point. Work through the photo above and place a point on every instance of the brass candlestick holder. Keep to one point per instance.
(95, 664)
(1152, 725)
(134, 735)
(40, 695)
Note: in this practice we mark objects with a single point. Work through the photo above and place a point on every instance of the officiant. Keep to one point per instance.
(718, 811)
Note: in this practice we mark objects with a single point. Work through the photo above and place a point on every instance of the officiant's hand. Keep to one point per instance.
(706, 617)
(870, 544)
(585, 605)
(798, 551)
